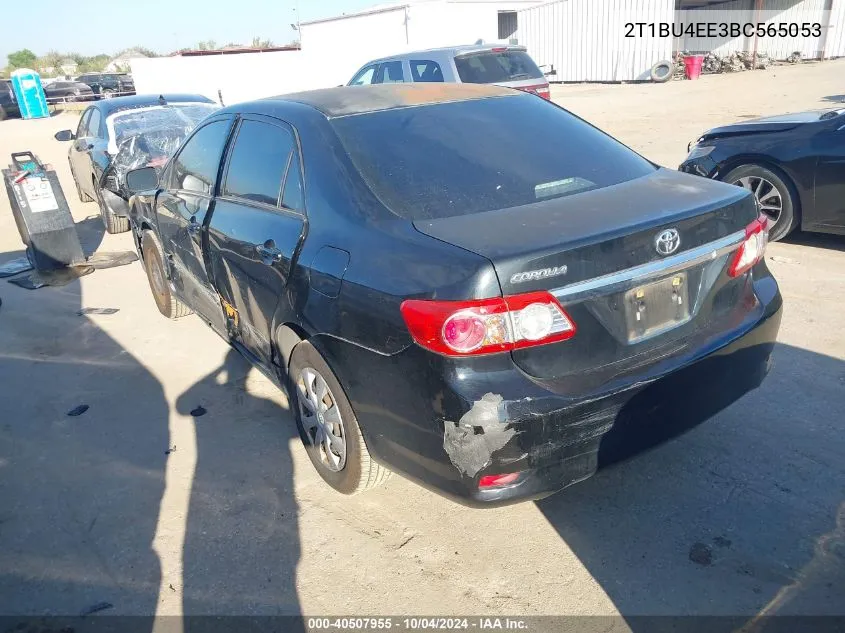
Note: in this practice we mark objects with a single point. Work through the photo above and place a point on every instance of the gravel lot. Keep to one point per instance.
(743, 515)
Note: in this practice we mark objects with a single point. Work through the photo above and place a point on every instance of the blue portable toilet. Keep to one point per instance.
(30, 93)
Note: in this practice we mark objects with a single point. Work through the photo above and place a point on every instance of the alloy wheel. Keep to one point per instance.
(768, 196)
(321, 419)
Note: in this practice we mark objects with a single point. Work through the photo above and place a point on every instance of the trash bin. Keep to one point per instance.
(692, 66)
(41, 213)
(30, 94)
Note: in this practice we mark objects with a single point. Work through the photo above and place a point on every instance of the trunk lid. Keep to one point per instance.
(597, 251)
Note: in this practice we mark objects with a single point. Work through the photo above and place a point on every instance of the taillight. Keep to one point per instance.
(497, 481)
(541, 90)
(501, 324)
(752, 249)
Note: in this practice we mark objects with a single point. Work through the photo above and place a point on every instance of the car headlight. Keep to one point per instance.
(700, 151)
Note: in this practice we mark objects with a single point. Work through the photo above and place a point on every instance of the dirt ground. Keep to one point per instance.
(744, 515)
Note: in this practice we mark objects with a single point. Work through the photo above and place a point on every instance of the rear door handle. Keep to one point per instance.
(269, 253)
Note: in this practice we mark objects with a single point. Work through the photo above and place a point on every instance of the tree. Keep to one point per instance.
(23, 58)
(207, 45)
(257, 42)
(94, 64)
(50, 63)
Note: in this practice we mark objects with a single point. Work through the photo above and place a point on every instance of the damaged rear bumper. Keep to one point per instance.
(447, 423)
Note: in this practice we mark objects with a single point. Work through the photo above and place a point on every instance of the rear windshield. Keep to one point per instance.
(489, 67)
(467, 157)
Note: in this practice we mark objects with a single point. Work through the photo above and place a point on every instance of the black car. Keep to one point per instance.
(793, 163)
(469, 285)
(108, 85)
(8, 100)
(124, 133)
(61, 91)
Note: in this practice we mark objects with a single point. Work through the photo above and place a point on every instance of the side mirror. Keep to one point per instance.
(64, 135)
(142, 179)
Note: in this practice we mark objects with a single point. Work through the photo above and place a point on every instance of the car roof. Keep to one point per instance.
(349, 100)
(110, 106)
(450, 51)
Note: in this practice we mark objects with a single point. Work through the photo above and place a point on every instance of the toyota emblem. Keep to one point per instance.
(667, 242)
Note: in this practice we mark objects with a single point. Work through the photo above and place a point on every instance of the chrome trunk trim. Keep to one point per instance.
(631, 277)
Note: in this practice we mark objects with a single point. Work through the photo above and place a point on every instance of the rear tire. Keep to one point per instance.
(352, 472)
(113, 223)
(166, 301)
(774, 192)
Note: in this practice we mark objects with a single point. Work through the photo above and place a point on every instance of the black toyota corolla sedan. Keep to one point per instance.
(467, 285)
(793, 163)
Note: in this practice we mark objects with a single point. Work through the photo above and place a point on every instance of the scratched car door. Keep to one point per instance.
(183, 211)
(256, 227)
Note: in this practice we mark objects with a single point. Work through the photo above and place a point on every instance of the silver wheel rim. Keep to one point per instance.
(321, 419)
(768, 196)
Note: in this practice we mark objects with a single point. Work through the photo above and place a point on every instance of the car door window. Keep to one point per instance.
(82, 128)
(196, 166)
(94, 123)
(390, 73)
(259, 158)
(426, 70)
(365, 77)
(292, 197)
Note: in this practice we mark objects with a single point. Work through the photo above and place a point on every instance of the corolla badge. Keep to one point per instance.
(534, 275)
(667, 242)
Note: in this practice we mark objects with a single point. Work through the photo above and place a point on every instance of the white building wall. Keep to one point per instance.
(584, 40)
(774, 12)
(239, 77)
(457, 22)
(344, 44)
(835, 43)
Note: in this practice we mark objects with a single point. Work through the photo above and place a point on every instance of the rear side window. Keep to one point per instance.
(292, 197)
(490, 67)
(425, 70)
(480, 155)
(390, 73)
(365, 77)
(259, 159)
(195, 168)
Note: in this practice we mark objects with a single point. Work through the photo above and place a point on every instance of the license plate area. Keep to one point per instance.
(656, 307)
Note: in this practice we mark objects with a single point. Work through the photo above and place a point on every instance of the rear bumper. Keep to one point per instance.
(447, 423)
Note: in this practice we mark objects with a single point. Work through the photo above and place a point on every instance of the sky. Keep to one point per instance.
(90, 27)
